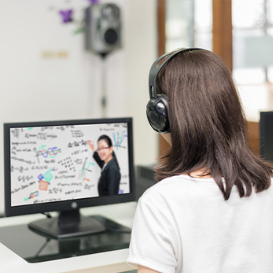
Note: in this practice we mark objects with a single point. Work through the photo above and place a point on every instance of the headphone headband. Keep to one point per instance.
(155, 68)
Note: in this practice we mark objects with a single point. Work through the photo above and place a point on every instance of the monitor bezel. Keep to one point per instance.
(264, 115)
(65, 204)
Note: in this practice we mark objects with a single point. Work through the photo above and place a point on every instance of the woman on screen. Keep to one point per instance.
(105, 157)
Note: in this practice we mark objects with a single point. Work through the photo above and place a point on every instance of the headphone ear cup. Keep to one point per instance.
(157, 114)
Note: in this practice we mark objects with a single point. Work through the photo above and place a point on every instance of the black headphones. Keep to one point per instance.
(157, 108)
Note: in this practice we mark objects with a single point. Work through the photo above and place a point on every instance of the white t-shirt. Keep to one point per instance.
(183, 224)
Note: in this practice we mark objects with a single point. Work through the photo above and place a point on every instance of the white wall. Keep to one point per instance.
(37, 84)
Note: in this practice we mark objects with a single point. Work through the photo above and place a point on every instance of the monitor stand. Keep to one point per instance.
(69, 224)
(34, 248)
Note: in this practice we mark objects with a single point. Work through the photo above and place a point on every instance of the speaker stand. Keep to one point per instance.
(103, 85)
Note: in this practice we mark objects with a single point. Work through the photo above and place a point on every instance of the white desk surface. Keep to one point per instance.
(108, 262)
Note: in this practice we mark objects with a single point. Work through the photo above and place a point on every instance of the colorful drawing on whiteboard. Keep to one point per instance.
(43, 185)
(51, 152)
(32, 195)
(118, 138)
(85, 169)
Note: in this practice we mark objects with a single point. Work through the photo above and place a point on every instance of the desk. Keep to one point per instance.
(108, 262)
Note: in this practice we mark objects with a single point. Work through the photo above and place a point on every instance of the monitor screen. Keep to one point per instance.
(266, 135)
(67, 165)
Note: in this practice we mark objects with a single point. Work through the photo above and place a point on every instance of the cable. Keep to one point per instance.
(42, 247)
(47, 214)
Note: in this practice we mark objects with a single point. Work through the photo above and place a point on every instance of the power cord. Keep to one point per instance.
(46, 214)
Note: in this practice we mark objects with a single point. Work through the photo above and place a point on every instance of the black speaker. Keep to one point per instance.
(102, 28)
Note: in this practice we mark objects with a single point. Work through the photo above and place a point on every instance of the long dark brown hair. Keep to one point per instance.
(208, 126)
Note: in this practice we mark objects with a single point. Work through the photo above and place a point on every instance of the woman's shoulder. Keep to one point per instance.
(179, 182)
(111, 162)
(180, 189)
(165, 195)
(169, 186)
(112, 165)
(184, 188)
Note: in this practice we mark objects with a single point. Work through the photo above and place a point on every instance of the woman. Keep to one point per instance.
(212, 209)
(106, 159)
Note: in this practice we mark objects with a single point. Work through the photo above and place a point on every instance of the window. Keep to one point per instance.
(188, 24)
(252, 41)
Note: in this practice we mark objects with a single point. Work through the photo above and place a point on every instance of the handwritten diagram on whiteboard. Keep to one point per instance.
(54, 163)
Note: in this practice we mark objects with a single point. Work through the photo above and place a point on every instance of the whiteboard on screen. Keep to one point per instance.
(55, 163)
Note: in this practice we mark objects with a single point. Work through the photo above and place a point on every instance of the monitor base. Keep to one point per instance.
(71, 226)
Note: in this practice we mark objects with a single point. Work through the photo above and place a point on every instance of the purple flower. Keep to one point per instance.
(66, 15)
(93, 1)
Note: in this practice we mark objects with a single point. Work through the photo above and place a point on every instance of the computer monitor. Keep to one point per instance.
(57, 166)
(266, 135)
